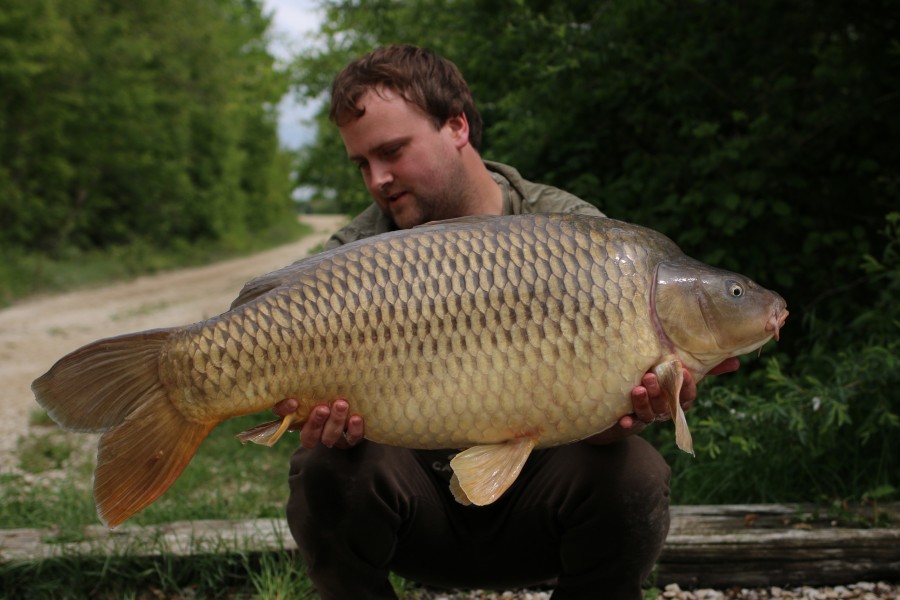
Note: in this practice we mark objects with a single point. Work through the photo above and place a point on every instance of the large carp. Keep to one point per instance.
(494, 335)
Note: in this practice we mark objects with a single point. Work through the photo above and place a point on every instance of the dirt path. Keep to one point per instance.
(35, 333)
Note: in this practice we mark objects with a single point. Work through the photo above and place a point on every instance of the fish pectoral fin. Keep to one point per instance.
(671, 377)
(483, 473)
(266, 434)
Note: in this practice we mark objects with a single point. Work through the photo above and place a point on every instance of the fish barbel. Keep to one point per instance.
(494, 335)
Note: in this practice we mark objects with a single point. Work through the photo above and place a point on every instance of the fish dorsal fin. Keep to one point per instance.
(671, 377)
(483, 473)
(460, 220)
(262, 285)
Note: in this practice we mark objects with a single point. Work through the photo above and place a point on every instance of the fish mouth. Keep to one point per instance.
(776, 321)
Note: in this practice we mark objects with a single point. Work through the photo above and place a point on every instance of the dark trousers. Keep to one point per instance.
(592, 517)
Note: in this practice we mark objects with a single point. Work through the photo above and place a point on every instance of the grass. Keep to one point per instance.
(226, 480)
(26, 274)
(237, 575)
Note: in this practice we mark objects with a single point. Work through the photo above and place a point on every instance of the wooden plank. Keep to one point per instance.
(761, 545)
(707, 546)
(180, 538)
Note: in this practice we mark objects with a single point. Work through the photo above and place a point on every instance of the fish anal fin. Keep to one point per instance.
(484, 473)
(458, 494)
(671, 378)
(142, 457)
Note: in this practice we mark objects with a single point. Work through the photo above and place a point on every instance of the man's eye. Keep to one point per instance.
(391, 150)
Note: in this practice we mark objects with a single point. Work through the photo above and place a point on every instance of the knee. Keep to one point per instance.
(645, 475)
(627, 482)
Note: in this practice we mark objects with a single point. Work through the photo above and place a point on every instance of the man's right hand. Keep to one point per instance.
(334, 426)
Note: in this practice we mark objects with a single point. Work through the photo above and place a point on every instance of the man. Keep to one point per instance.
(591, 515)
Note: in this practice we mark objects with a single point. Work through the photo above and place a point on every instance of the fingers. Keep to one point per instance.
(355, 431)
(334, 426)
(650, 402)
(640, 403)
(627, 422)
(333, 430)
(726, 366)
(286, 407)
(311, 432)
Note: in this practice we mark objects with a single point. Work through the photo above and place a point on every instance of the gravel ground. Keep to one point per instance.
(861, 591)
(37, 331)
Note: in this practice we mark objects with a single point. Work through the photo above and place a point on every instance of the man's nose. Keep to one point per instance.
(380, 175)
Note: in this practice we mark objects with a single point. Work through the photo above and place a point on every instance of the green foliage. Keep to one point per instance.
(820, 427)
(123, 120)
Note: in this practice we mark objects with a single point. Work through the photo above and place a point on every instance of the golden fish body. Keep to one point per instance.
(442, 338)
(491, 334)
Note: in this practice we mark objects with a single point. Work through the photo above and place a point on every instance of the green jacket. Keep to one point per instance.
(519, 197)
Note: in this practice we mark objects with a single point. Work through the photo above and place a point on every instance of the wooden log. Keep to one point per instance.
(707, 546)
(180, 538)
(763, 545)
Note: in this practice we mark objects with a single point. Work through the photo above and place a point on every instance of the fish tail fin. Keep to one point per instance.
(141, 458)
(113, 386)
(671, 378)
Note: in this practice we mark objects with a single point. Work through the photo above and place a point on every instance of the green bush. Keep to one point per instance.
(820, 426)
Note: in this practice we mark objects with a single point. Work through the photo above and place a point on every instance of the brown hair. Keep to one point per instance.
(421, 77)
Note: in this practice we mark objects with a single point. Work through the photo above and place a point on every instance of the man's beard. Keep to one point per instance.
(453, 202)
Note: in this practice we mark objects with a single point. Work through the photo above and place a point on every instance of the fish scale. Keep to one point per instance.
(493, 335)
(370, 325)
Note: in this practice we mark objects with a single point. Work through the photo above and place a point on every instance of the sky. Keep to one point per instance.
(292, 20)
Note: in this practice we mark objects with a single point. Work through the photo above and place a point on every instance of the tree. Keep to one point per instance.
(126, 120)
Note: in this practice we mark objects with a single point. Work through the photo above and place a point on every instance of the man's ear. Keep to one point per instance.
(458, 127)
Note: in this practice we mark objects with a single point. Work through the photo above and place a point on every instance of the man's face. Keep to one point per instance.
(413, 170)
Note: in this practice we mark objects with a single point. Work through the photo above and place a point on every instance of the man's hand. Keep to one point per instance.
(651, 404)
(650, 401)
(334, 426)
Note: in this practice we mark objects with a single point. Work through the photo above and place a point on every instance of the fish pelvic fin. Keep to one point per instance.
(268, 433)
(113, 386)
(671, 377)
(482, 474)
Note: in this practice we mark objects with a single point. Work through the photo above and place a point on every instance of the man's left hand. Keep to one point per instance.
(650, 403)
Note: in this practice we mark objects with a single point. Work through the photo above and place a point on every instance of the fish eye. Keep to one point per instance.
(735, 290)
